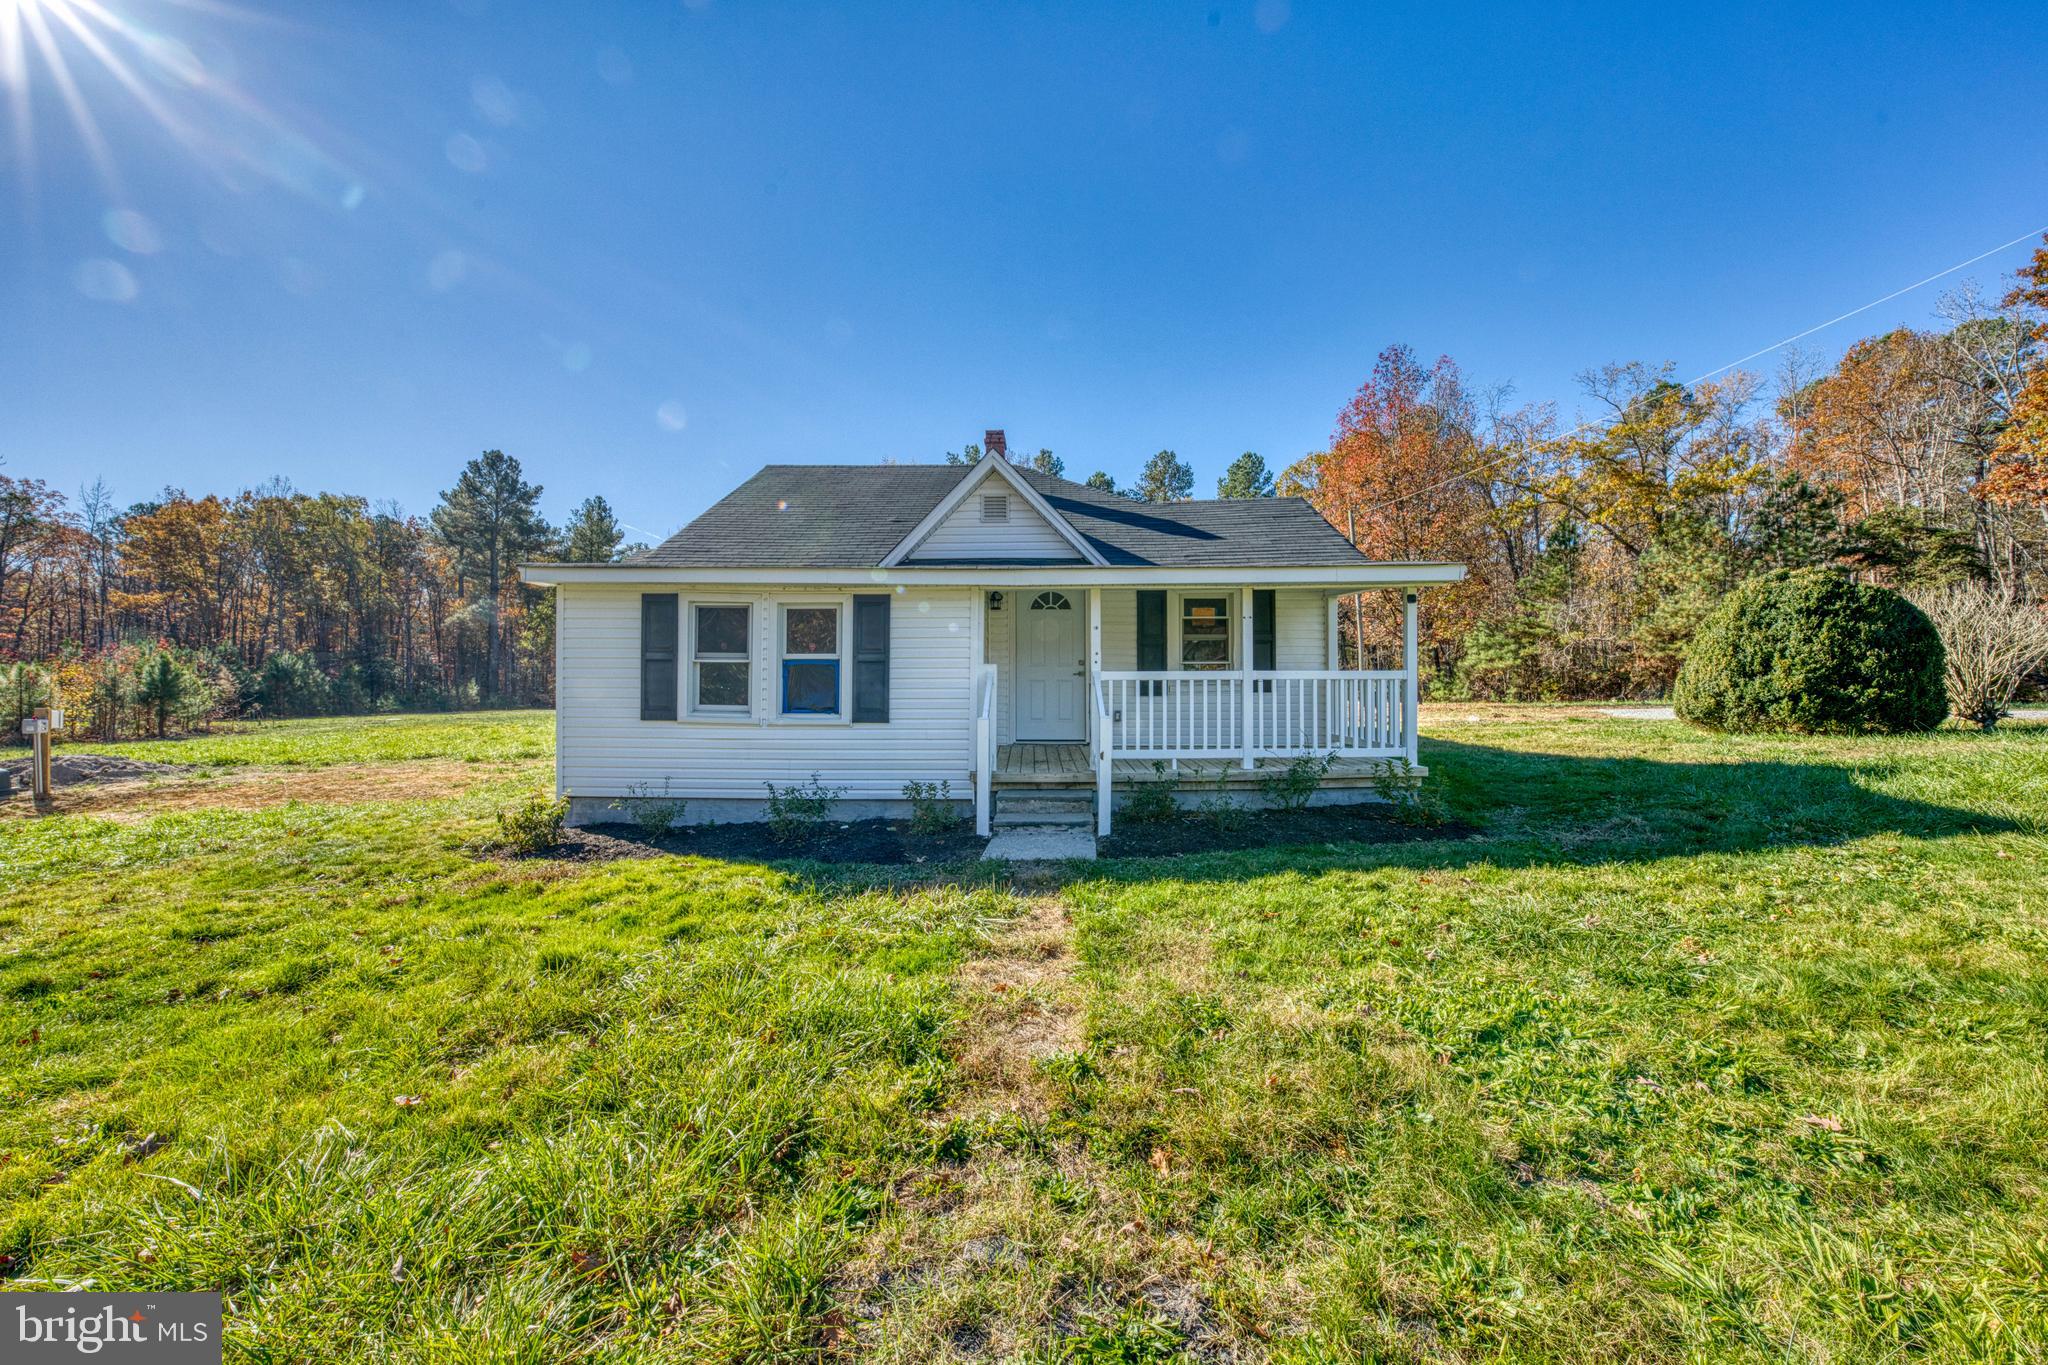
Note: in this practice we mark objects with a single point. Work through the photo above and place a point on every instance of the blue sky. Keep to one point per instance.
(647, 247)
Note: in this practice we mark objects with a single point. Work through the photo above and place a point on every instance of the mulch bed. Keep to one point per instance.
(1193, 832)
(887, 842)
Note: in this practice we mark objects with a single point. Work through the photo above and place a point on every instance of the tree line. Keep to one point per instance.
(1919, 461)
(277, 602)
(1596, 549)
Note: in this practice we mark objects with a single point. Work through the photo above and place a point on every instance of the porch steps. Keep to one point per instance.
(1045, 808)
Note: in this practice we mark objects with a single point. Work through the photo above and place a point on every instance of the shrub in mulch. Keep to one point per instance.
(886, 842)
(1203, 832)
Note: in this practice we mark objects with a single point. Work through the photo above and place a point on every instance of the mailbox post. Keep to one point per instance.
(41, 724)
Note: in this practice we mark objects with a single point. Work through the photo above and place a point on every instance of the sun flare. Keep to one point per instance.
(74, 48)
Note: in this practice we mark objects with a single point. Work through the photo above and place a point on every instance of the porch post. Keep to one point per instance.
(1098, 734)
(1244, 670)
(1333, 650)
(1092, 683)
(1412, 682)
(978, 734)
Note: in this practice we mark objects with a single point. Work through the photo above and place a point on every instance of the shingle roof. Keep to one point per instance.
(1234, 532)
(797, 516)
(851, 516)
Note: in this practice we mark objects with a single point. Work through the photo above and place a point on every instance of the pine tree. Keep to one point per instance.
(1045, 462)
(489, 519)
(594, 534)
(1166, 478)
(1100, 480)
(1247, 477)
(163, 685)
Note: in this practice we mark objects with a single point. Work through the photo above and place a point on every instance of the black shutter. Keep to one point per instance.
(1151, 636)
(871, 658)
(658, 655)
(1263, 652)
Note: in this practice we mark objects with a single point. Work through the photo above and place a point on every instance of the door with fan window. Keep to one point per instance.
(1052, 669)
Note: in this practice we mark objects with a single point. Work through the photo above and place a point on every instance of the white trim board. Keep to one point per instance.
(1335, 578)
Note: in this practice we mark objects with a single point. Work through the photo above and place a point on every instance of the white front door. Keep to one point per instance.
(1052, 668)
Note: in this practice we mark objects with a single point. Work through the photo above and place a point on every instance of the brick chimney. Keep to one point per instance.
(992, 443)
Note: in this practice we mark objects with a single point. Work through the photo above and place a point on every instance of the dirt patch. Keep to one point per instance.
(1020, 1011)
(886, 842)
(1025, 1245)
(78, 770)
(162, 788)
(1194, 832)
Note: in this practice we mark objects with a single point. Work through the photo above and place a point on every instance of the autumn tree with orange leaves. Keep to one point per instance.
(1397, 479)
(2018, 476)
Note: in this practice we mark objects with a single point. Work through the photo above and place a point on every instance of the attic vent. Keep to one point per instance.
(995, 506)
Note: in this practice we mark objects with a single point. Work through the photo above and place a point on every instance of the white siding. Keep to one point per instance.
(604, 749)
(1119, 630)
(964, 535)
(1002, 652)
(1301, 625)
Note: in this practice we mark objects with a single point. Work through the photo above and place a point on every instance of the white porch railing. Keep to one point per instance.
(984, 745)
(1209, 715)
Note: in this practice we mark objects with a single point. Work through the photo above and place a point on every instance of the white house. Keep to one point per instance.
(1004, 631)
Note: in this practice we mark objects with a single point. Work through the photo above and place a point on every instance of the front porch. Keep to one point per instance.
(1087, 687)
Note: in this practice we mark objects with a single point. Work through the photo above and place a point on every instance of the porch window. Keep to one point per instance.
(719, 659)
(810, 661)
(1205, 633)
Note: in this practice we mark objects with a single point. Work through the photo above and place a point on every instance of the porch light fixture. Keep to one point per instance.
(995, 601)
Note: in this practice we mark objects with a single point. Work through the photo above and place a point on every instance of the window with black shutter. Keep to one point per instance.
(658, 620)
(871, 658)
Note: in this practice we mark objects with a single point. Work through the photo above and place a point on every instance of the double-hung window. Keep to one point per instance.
(810, 657)
(720, 659)
(1205, 633)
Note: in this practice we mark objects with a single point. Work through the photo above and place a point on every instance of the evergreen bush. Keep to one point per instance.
(1808, 650)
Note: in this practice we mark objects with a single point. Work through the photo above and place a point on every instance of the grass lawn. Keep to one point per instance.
(470, 737)
(1704, 1049)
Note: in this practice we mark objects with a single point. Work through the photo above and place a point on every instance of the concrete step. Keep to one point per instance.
(1046, 819)
(1046, 803)
(1040, 843)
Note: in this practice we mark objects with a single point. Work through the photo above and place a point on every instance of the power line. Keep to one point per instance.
(1723, 369)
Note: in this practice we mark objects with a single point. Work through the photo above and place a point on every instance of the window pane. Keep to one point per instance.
(811, 688)
(722, 630)
(810, 630)
(1205, 632)
(722, 684)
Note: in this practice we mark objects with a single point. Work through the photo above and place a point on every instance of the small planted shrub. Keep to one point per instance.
(1152, 802)
(795, 812)
(1224, 810)
(653, 815)
(1395, 782)
(931, 806)
(1809, 651)
(534, 825)
(1291, 787)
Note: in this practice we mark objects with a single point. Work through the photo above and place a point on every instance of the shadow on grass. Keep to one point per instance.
(1507, 808)
(1536, 809)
